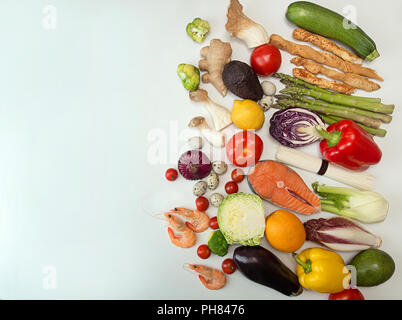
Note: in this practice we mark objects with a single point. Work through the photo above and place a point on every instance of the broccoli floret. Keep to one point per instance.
(198, 29)
(189, 75)
(218, 244)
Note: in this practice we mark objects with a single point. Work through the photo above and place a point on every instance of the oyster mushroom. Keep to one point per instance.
(242, 27)
(220, 115)
(216, 138)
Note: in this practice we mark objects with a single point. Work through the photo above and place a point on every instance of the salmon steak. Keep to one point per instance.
(277, 183)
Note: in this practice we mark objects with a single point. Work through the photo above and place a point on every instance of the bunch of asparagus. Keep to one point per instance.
(369, 113)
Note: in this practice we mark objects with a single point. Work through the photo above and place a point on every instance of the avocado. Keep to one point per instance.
(241, 80)
(373, 267)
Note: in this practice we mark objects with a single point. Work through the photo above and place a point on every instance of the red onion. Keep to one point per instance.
(194, 165)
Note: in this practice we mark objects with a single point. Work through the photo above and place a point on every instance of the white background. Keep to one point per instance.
(80, 109)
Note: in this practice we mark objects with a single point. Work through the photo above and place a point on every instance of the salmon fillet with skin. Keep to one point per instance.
(282, 186)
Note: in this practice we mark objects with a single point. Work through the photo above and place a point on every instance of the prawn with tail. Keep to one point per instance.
(212, 279)
(179, 233)
(198, 221)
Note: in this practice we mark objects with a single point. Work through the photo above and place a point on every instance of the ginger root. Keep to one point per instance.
(216, 56)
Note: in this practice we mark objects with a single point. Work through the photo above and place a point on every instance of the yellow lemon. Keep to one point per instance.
(247, 115)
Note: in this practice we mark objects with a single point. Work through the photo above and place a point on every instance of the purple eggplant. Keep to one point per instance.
(261, 266)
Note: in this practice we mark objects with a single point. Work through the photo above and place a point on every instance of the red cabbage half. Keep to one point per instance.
(194, 165)
(295, 127)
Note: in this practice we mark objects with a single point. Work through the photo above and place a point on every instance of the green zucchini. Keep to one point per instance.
(330, 24)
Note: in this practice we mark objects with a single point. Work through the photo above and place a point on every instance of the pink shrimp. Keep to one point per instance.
(198, 220)
(212, 279)
(180, 235)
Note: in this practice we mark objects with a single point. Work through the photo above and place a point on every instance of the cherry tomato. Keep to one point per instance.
(213, 223)
(237, 175)
(203, 251)
(171, 174)
(348, 294)
(266, 60)
(228, 266)
(244, 149)
(202, 203)
(231, 187)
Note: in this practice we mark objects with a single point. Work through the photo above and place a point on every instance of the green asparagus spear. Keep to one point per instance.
(333, 119)
(375, 115)
(343, 100)
(370, 122)
(375, 132)
(292, 81)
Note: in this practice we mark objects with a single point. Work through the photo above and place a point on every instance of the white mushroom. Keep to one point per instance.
(216, 138)
(212, 181)
(196, 143)
(269, 88)
(219, 167)
(216, 199)
(266, 102)
(221, 116)
(200, 188)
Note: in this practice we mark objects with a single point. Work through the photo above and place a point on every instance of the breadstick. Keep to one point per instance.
(351, 79)
(322, 83)
(326, 58)
(326, 44)
(305, 161)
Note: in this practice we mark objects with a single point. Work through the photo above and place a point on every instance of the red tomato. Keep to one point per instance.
(348, 294)
(202, 203)
(231, 187)
(266, 60)
(213, 223)
(171, 174)
(203, 251)
(228, 266)
(237, 175)
(244, 149)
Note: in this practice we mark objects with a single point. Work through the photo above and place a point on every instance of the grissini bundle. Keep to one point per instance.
(302, 160)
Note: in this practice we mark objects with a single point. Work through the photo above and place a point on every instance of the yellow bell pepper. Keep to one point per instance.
(322, 270)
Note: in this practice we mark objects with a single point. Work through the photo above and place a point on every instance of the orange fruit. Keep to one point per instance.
(284, 231)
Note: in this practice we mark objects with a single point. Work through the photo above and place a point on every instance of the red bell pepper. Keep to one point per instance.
(350, 146)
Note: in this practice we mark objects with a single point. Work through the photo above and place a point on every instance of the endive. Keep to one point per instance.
(340, 234)
(365, 206)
